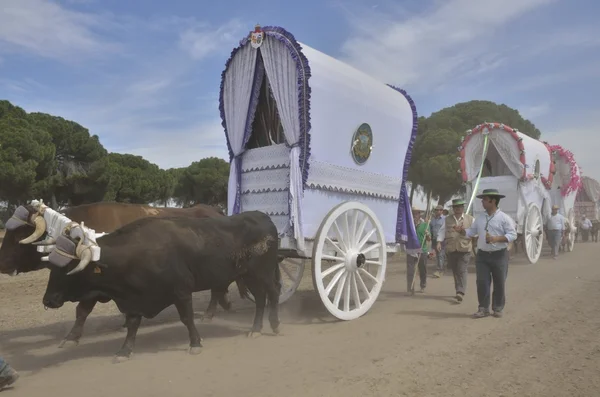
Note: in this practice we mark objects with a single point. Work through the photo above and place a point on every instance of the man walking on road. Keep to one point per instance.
(436, 223)
(418, 260)
(556, 229)
(458, 247)
(586, 226)
(495, 230)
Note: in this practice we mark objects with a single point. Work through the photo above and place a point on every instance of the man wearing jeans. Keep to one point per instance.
(495, 230)
(436, 223)
(556, 228)
(8, 376)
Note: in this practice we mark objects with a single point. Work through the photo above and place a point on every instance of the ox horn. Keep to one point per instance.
(86, 257)
(48, 241)
(40, 229)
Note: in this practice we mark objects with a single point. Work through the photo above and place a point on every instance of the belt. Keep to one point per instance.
(490, 252)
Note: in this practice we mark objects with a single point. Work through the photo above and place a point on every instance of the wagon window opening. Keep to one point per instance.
(267, 129)
(494, 165)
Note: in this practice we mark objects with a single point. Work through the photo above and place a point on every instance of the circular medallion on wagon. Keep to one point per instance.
(362, 144)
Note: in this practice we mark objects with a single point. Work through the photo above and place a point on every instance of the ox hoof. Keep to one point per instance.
(206, 319)
(195, 350)
(68, 343)
(276, 331)
(254, 334)
(121, 359)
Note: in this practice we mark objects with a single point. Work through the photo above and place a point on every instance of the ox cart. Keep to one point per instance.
(521, 168)
(324, 150)
(587, 201)
(564, 186)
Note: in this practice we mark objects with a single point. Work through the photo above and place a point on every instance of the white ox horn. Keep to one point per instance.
(40, 229)
(48, 241)
(86, 258)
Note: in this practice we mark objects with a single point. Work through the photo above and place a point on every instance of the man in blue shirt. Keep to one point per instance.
(495, 230)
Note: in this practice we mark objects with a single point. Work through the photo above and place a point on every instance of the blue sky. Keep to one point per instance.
(144, 74)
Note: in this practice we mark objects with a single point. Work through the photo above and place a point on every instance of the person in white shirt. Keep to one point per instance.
(495, 230)
(557, 227)
(585, 225)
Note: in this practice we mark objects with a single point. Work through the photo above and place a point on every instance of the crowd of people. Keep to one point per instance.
(449, 238)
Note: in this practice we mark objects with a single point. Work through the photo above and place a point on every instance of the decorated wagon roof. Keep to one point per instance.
(334, 100)
(519, 152)
(568, 173)
(591, 188)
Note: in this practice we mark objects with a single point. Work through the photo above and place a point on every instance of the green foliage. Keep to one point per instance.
(48, 157)
(204, 181)
(434, 163)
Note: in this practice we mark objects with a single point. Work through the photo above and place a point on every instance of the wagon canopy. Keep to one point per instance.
(272, 55)
(510, 152)
(567, 176)
(590, 190)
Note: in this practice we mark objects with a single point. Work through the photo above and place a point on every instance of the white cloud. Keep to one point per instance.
(453, 40)
(581, 138)
(202, 40)
(531, 112)
(46, 29)
(179, 148)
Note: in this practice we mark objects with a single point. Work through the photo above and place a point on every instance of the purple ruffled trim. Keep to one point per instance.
(404, 233)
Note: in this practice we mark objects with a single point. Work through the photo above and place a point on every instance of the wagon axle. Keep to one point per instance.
(360, 260)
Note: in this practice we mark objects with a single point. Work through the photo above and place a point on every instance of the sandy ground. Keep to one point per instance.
(546, 345)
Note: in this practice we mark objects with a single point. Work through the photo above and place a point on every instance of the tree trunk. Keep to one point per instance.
(53, 202)
(412, 193)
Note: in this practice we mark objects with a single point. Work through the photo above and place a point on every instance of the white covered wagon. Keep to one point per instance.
(521, 168)
(564, 187)
(588, 200)
(324, 150)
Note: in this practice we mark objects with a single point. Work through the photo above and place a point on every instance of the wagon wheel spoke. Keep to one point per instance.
(361, 230)
(364, 240)
(333, 258)
(340, 238)
(354, 226)
(332, 269)
(335, 246)
(355, 292)
(340, 288)
(335, 280)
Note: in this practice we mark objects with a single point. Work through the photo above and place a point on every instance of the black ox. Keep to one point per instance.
(19, 255)
(152, 263)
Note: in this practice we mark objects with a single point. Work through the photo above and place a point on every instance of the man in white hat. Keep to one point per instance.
(495, 230)
(556, 226)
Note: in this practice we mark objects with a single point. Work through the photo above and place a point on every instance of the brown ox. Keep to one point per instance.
(107, 217)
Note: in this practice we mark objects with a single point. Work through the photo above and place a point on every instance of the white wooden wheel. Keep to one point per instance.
(572, 229)
(292, 270)
(349, 260)
(533, 232)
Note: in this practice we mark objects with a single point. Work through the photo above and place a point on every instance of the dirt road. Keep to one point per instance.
(547, 344)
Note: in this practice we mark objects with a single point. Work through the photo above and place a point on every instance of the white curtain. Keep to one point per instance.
(237, 91)
(281, 71)
(508, 149)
